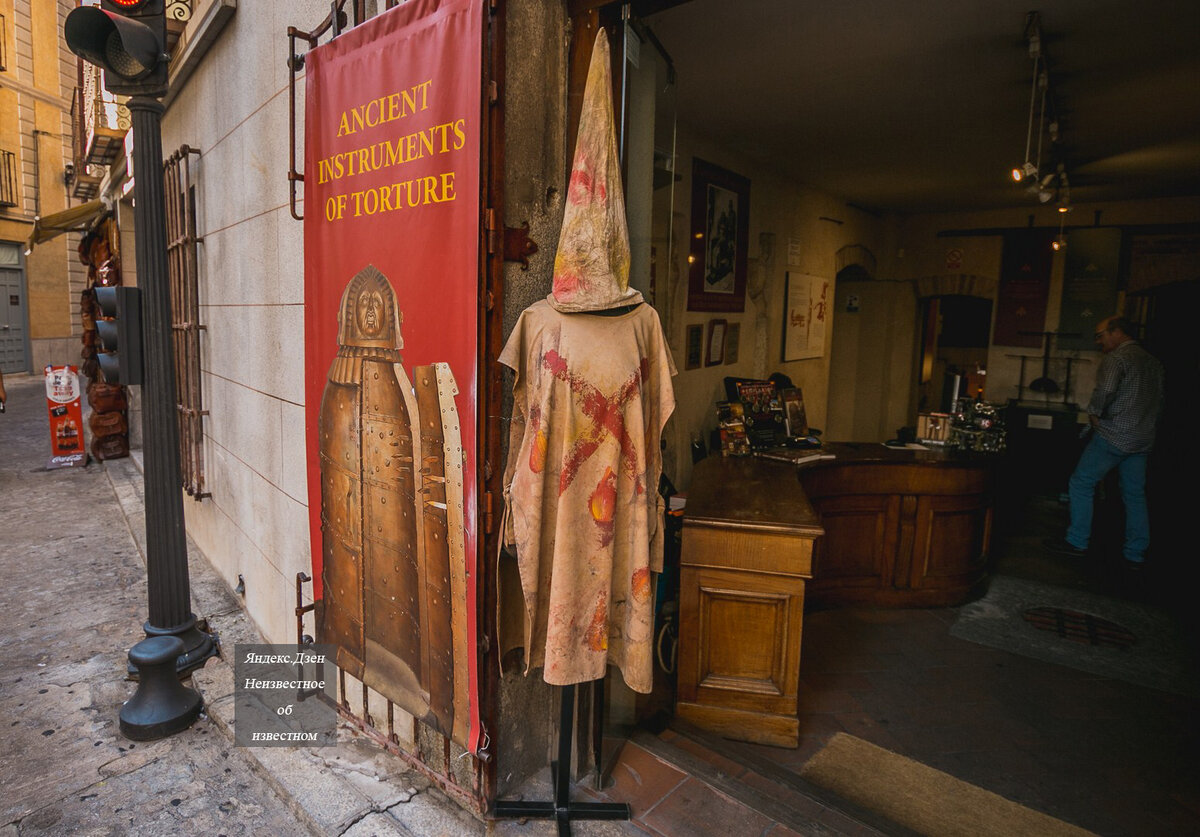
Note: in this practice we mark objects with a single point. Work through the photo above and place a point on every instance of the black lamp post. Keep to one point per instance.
(166, 541)
(127, 38)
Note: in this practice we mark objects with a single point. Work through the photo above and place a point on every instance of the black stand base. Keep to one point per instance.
(562, 810)
(198, 646)
(162, 705)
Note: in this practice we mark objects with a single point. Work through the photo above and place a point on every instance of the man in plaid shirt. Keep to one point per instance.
(1123, 412)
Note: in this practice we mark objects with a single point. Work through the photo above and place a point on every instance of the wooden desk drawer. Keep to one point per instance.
(742, 549)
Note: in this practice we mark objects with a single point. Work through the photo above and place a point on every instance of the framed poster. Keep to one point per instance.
(716, 343)
(695, 347)
(805, 314)
(733, 336)
(720, 238)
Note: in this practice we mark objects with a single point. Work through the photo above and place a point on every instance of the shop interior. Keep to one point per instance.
(877, 141)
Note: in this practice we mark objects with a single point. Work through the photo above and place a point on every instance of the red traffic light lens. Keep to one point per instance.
(127, 4)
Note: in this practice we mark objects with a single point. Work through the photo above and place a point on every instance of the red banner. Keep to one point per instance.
(66, 417)
(1024, 289)
(393, 128)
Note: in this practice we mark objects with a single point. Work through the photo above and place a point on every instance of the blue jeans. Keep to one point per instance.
(1100, 457)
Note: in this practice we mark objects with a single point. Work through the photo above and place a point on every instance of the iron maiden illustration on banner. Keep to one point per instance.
(391, 253)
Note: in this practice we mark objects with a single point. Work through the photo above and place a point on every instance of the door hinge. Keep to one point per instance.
(518, 246)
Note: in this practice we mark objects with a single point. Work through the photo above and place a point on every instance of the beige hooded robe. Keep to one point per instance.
(591, 396)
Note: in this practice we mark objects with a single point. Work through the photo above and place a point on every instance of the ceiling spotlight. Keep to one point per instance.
(1028, 171)
(1060, 243)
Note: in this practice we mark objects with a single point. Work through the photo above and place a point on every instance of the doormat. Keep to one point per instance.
(1152, 651)
(921, 798)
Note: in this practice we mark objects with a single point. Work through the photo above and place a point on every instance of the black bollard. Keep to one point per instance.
(162, 705)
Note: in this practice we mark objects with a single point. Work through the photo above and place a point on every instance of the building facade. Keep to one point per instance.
(38, 80)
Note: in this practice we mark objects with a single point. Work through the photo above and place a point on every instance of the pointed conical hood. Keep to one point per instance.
(591, 268)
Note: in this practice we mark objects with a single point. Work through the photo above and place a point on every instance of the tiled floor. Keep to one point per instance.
(1110, 756)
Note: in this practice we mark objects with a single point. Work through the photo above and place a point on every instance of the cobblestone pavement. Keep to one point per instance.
(72, 602)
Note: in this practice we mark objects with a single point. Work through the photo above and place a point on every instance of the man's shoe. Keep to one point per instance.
(1064, 547)
(1134, 567)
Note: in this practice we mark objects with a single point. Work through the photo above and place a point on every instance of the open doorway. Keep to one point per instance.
(955, 331)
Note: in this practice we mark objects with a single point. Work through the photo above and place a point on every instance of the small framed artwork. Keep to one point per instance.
(720, 239)
(695, 347)
(716, 343)
(733, 334)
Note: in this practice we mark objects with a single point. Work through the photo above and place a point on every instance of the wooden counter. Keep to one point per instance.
(903, 528)
(747, 550)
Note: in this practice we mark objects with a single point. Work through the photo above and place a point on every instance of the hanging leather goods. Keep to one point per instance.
(107, 424)
(110, 447)
(105, 398)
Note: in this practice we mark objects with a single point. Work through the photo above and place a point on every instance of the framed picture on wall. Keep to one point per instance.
(805, 313)
(720, 238)
(694, 354)
(716, 343)
(733, 334)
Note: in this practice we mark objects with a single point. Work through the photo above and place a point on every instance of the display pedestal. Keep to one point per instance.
(562, 810)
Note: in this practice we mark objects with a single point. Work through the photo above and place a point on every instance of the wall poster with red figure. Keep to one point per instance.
(393, 138)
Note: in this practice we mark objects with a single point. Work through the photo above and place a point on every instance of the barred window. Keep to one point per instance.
(183, 273)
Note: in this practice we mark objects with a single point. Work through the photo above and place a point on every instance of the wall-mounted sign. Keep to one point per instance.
(795, 252)
(391, 263)
(66, 418)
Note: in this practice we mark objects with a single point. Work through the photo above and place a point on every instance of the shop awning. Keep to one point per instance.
(77, 218)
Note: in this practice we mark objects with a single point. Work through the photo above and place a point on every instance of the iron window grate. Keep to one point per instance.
(183, 275)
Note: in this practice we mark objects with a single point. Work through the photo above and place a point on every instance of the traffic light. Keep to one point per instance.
(125, 38)
(120, 354)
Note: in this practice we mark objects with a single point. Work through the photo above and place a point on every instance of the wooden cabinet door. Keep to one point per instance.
(864, 530)
(951, 540)
(740, 639)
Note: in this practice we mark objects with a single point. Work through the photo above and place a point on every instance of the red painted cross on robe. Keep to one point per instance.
(607, 415)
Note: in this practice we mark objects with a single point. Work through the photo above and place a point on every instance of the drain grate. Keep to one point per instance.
(1080, 627)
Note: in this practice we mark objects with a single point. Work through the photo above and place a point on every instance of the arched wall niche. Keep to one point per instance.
(855, 256)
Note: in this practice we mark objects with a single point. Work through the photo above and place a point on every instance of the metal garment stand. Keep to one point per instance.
(562, 810)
